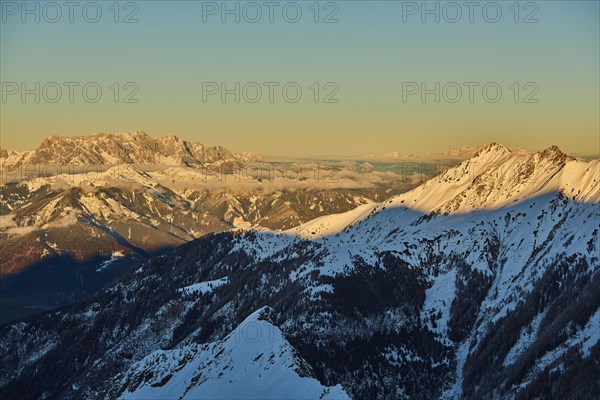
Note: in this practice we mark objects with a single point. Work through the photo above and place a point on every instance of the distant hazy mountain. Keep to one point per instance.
(459, 154)
(482, 283)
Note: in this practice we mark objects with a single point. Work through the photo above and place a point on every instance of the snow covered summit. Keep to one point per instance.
(254, 361)
(494, 178)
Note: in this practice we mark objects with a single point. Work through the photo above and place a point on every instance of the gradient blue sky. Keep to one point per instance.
(368, 54)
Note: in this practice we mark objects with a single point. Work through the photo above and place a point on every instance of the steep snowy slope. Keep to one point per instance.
(254, 361)
(494, 178)
(508, 216)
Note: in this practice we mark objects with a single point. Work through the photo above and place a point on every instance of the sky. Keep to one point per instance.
(305, 78)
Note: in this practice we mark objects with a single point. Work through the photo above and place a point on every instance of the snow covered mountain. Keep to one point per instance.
(110, 149)
(65, 230)
(493, 179)
(482, 283)
(254, 361)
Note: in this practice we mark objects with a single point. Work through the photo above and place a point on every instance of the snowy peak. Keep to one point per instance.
(492, 148)
(494, 178)
(121, 148)
(555, 155)
(265, 313)
(254, 361)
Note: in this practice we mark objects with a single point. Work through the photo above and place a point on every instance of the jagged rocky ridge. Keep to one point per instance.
(482, 283)
(103, 149)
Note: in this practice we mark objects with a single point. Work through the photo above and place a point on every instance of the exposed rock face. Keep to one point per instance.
(128, 148)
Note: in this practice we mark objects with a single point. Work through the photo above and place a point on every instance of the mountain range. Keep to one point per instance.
(75, 211)
(109, 149)
(481, 283)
